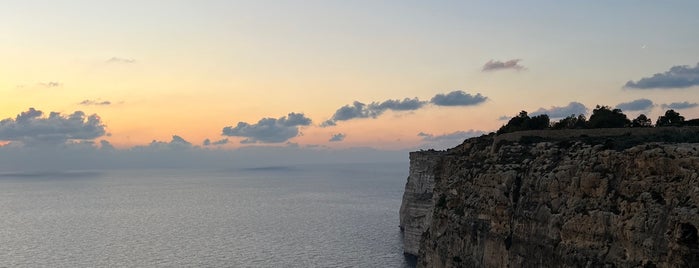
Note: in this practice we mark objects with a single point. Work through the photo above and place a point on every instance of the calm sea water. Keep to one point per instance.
(305, 216)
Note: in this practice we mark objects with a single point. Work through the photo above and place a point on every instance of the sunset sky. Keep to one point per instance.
(195, 69)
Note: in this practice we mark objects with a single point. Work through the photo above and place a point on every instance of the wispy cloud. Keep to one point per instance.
(636, 105)
(50, 84)
(562, 111)
(682, 76)
(337, 137)
(680, 105)
(95, 103)
(120, 60)
(372, 110)
(269, 130)
(496, 65)
(375, 109)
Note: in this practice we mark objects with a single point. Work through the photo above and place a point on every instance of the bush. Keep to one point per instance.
(671, 118)
(605, 117)
(524, 122)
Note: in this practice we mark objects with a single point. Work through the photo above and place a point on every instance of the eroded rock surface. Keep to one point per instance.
(571, 202)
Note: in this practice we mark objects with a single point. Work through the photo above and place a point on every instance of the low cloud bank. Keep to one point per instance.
(180, 154)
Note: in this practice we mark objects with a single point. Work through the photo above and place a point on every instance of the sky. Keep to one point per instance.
(338, 75)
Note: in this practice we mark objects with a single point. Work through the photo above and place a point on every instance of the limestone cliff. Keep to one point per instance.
(590, 198)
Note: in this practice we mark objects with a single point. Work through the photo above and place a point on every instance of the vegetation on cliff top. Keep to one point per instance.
(602, 117)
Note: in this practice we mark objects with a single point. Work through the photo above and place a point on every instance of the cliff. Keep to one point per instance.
(571, 198)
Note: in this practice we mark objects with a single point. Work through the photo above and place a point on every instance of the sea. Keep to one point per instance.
(332, 215)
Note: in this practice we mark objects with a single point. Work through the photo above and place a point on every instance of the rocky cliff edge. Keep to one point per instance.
(566, 198)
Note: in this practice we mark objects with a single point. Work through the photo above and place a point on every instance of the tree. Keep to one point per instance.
(541, 121)
(571, 122)
(605, 117)
(671, 118)
(641, 121)
(516, 123)
(524, 122)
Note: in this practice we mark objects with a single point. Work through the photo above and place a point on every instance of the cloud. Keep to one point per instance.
(636, 105)
(680, 105)
(504, 118)
(375, 109)
(457, 135)
(30, 128)
(448, 140)
(457, 98)
(269, 130)
(88, 155)
(105, 145)
(95, 103)
(120, 60)
(176, 143)
(681, 76)
(372, 110)
(337, 137)
(50, 84)
(562, 111)
(496, 65)
(208, 142)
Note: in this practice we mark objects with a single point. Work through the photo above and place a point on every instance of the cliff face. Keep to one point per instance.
(528, 201)
(417, 207)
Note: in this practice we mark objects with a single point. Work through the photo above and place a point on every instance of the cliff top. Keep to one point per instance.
(611, 138)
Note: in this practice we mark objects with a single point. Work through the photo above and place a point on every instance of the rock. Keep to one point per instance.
(417, 206)
(561, 201)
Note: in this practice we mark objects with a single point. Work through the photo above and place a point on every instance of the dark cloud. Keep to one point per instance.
(372, 110)
(50, 84)
(337, 137)
(30, 128)
(120, 60)
(457, 98)
(95, 102)
(682, 76)
(562, 111)
(636, 105)
(680, 105)
(495, 65)
(208, 142)
(269, 130)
